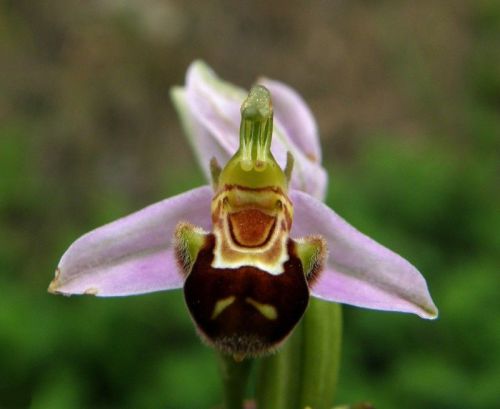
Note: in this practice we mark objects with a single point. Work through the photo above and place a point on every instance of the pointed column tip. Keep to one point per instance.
(253, 164)
(258, 104)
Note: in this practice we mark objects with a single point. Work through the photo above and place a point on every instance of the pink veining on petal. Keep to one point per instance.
(359, 270)
(132, 255)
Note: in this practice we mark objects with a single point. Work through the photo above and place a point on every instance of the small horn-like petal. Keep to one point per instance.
(134, 254)
(359, 271)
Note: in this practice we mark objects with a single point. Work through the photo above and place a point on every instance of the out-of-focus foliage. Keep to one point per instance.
(407, 96)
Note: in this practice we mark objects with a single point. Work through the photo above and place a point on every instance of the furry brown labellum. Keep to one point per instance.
(247, 282)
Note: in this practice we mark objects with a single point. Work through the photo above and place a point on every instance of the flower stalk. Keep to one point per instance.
(278, 378)
(321, 347)
(234, 375)
(304, 372)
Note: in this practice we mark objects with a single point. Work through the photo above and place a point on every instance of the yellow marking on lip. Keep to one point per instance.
(267, 310)
(221, 305)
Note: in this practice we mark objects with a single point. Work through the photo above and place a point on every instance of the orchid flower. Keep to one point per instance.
(250, 249)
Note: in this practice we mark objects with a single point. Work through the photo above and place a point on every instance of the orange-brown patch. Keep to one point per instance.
(251, 227)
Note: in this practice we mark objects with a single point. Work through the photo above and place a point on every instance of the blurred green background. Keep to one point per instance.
(407, 98)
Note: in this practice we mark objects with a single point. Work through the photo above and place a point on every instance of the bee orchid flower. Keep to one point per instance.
(250, 249)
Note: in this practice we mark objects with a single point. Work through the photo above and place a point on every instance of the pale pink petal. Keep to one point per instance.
(132, 255)
(202, 142)
(214, 109)
(359, 270)
(215, 105)
(294, 115)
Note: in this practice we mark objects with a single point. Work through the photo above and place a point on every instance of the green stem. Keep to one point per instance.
(304, 372)
(320, 354)
(235, 378)
(278, 377)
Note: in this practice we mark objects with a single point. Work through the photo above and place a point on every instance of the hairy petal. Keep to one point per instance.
(134, 254)
(214, 106)
(359, 270)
